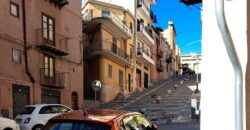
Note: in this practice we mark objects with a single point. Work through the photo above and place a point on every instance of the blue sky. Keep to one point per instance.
(186, 20)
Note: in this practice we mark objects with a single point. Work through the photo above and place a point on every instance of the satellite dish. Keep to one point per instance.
(96, 85)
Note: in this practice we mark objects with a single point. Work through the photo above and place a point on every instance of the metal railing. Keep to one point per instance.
(107, 47)
(91, 14)
(159, 67)
(141, 4)
(53, 78)
(141, 50)
(232, 54)
(141, 27)
(57, 41)
(159, 52)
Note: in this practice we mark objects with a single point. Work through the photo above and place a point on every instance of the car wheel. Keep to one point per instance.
(37, 127)
(7, 129)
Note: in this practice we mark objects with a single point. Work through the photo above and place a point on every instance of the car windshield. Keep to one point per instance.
(27, 110)
(75, 126)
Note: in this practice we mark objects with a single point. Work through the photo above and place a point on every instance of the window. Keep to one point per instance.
(48, 25)
(114, 46)
(142, 122)
(131, 27)
(14, 9)
(73, 125)
(49, 66)
(131, 53)
(120, 77)
(53, 109)
(128, 123)
(16, 56)
(106, 14)
(27, 110)
(110, 71)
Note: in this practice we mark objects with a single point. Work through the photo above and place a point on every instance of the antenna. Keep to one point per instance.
(84, 111)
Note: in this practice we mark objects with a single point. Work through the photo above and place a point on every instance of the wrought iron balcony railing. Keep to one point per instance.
(54, 43)
(90, 14)
(108, 49)
(53, 78)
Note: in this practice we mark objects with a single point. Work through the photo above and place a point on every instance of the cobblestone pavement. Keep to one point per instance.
(183, 126)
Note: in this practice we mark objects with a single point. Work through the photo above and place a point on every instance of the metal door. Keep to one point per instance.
(20, 95)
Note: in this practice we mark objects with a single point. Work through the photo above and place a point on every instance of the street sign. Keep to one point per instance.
(96, 85)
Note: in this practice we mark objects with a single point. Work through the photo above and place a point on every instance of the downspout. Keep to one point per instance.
(25, 45)
(220, 16)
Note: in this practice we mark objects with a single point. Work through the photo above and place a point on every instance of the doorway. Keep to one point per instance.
(74, 101)
(21, 97)
(145, 80)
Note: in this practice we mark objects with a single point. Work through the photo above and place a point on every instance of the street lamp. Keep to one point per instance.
(197, 74)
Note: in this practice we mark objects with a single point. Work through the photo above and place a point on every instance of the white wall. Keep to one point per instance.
(217, 94)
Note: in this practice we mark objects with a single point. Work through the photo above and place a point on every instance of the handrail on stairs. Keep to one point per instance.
(228, 42)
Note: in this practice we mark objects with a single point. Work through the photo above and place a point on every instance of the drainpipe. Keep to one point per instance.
(25, 44)
(221, 20)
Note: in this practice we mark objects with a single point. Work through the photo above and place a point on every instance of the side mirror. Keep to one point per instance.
(154, 127)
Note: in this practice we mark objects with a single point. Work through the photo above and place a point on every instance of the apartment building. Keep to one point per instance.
(108, 35)
(144, 43)
(167, 59)
(170, 35)
(157, 71)
(40, 50)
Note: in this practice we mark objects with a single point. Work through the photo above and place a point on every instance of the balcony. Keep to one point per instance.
(144, 10)
(159, 53)
(58, 46)
(53, 78)
(108, 50)
(145, 34)
(169, 59)
(93, 19)
(145, 56)
(59, 3)
(159, 67)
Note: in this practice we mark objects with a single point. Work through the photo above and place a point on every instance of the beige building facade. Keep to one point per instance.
(109, 50)
(170, 35)
(41, 57)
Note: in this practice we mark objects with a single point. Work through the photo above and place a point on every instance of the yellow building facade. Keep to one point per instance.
(108, 49)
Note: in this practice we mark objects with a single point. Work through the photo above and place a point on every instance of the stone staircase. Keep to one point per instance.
(174, 106)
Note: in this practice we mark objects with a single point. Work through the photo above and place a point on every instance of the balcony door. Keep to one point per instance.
(48, 30)
(121, 81)
(49, 70)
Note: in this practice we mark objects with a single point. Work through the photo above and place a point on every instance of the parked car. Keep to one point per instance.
(96, 119)
(8, 124)
(34, 117)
